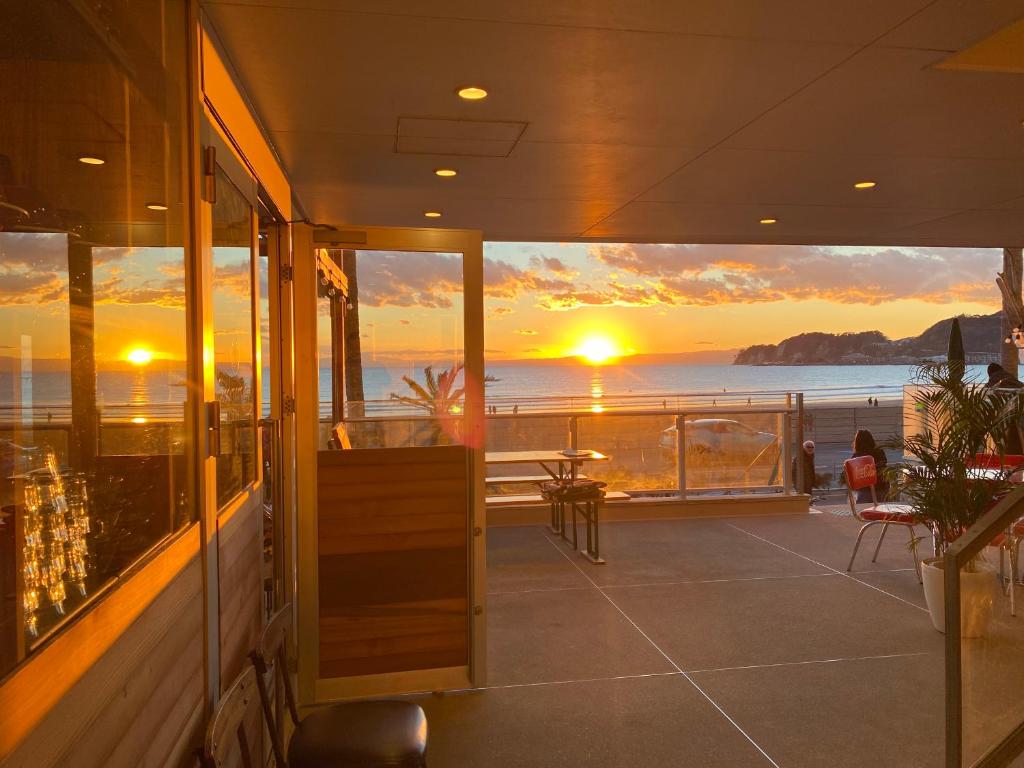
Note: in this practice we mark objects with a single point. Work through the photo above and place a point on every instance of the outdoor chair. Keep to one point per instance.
(1009, 549)
(226, 734)
(862, 473)
(367, 734)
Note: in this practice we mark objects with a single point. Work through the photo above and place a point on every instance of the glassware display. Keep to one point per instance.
(55, 550)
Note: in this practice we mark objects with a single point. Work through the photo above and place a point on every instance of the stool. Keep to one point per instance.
(552, 491)
(354, 734)
(585, 498)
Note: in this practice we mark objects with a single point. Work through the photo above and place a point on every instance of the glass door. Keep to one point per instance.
(233, 491)
(389, 417)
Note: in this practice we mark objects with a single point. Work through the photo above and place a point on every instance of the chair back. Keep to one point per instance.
(860, 473)
(226, 731)
(271, 655)
(995, 461)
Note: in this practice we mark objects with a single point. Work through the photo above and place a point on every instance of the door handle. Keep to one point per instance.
(213, 428)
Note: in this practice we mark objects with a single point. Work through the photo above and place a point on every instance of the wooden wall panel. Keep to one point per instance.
(140, 701)
(393, 560)
(240, 568)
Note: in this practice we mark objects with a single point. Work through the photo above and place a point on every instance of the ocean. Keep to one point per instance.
(528, 386)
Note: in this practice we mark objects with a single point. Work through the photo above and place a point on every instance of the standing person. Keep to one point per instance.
(1000, 378)
(864, 445)
(807, 456)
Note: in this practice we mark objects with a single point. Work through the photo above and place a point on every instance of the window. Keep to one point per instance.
(233, 338)
(93, 356)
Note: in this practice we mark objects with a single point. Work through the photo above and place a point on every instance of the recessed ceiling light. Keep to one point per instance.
(472, 93)
(865, 185)
(91, 160)
(432, 214)
(445, 172)
(769, 221)
(156, 206)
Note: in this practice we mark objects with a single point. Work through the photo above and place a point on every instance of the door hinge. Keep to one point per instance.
(287, 273)
(288, 405)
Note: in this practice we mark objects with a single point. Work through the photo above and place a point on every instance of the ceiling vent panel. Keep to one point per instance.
(447, 136)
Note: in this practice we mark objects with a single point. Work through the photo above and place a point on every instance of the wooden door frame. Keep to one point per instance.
(468, 243)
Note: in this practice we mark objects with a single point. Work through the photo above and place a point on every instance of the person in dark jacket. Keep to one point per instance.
(1000, 378)
(807, 456)
(864, 445)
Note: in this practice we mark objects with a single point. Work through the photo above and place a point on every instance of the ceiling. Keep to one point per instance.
(645, 120)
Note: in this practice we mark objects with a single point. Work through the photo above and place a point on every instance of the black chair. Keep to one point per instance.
(367, 734)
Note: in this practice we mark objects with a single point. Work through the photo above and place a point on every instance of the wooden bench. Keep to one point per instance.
(517, 479)
(521, 499)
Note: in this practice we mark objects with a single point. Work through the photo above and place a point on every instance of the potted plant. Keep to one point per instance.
(956, 418)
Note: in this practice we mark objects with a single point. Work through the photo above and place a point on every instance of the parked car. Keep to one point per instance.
(720, 436)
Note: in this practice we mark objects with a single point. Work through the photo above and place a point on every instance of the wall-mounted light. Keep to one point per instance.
(156, 206)
(91, 160)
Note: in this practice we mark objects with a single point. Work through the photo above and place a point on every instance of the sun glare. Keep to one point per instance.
(139, 356)
(597, 350)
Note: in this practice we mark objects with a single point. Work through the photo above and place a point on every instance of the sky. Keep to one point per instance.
(554, 299)
(541, 299)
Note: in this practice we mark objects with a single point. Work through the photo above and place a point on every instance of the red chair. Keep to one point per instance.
(861, 473)
(995, 461)
(1009, 544)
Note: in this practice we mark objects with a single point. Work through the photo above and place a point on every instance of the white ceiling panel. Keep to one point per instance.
(949, 25)
(355, 73)
(693, 222)
(567, 171)
(505, 219)
(848, 21)
(646, 120)
(810, 178)
(888, 101)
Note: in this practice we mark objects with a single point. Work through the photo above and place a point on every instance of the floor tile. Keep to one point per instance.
(564, 635)
(685, 550)
(879, 712)
(829, 539)
(737, 623)
(520, 559)
(652, 721)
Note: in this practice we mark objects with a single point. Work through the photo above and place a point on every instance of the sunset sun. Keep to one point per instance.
(597, 350)
(139, 356)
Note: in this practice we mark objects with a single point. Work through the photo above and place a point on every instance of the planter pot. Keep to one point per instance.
(977, 595)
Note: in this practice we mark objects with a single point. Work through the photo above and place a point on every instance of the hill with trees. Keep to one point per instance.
(981, 333)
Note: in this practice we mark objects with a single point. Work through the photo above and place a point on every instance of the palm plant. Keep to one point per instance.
(957, 417)
(438, 397)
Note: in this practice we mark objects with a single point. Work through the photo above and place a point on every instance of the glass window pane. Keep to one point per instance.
(233, 337)
(403, 351)
(93, 353)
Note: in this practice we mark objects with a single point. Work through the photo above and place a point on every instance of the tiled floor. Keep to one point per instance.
(738, 642)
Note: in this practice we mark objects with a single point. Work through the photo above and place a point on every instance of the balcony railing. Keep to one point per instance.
(663, 451)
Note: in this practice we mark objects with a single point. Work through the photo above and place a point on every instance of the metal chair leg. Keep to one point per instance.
(1012, 554)
(878, 546)
(857, 545)
(913, 551)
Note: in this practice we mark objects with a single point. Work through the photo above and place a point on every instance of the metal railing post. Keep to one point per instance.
(681, 454)
(800, 479)
(787, 447)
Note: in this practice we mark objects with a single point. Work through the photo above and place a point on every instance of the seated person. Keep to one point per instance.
(807, 456)
(864, 445)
